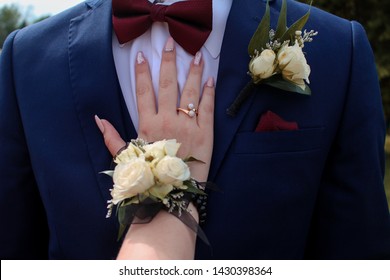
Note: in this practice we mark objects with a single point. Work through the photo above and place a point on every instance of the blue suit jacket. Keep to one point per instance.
(312, 193)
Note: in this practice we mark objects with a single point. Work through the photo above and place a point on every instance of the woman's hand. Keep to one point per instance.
(194, 133)
(160, 119)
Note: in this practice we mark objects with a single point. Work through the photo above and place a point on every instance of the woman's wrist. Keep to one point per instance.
(199, 171)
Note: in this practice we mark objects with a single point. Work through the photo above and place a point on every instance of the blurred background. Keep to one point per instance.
(372, 14)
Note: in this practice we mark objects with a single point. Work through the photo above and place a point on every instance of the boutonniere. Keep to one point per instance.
(276, 57)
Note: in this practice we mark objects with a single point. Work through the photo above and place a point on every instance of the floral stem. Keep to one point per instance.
(243, 95)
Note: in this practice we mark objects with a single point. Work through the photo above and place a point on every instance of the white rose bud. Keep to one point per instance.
(130, 179)
(293, 65)
(128, 154)
(159, 149)
(155, 150)
(171, 147)
(172, 171)
(263, 66)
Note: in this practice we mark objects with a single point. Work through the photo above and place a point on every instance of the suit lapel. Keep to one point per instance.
(243, 20)
(95, 85)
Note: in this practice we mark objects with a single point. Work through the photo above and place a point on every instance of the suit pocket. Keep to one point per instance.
(278, 141)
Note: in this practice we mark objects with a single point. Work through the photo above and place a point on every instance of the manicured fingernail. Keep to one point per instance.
(140, 58)
(99, 124)
(210, 82)
(170, 45)
(198, 57)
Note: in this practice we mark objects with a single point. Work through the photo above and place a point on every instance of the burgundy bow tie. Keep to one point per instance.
(189, 22)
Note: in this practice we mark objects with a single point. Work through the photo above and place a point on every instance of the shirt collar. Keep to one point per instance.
(221, 9)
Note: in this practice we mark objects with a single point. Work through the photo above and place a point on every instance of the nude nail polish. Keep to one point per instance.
(140, 58)
(99, 123)
(197, 59)
(210, 82)
(170, 45)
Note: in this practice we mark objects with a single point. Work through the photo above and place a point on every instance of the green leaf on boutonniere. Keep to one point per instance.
(278, 82)
(282, 21)
(261, 35)
(296, 26)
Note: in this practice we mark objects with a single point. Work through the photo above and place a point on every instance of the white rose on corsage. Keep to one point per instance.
(148, 178)
(263, 66)
(128, 154)
(159, 149)
(130, 179)
(172, 171)
(293, 64)
(277, 58)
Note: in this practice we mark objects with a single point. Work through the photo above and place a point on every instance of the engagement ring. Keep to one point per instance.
(191, 111)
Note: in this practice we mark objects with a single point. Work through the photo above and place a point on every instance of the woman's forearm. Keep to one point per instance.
(165, 237)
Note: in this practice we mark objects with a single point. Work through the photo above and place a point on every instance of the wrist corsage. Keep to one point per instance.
(149, 177)
(276, 57)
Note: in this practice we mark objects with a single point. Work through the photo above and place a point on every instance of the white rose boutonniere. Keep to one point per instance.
(293, 66)
(277, 58)
(263, 66)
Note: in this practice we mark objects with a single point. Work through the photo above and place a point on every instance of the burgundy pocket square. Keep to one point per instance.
(270, 121)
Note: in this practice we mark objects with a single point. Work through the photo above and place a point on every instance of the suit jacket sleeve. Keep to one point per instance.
(23, 233)
(351, 219)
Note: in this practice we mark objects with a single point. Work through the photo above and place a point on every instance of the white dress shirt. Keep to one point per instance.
(152, 43)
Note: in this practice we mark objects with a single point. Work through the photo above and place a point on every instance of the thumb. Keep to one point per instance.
(112, 139)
